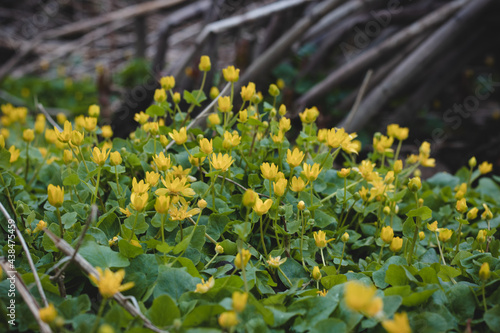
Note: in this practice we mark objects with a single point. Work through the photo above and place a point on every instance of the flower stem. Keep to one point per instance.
(381, 253)
(484, 297)
(341, 258)
(286, 277)
(322, 257)
(27, 162)
(262, 237)
(97, 185)
(99, 315)
(133, 227)
(61, 229)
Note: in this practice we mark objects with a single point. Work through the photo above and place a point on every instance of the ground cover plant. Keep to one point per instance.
(232, 227)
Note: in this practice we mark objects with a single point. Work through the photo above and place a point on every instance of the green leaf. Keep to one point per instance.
(409, 228)
(190, 97)
(129, 250)
(4, 159)
(143, 271)
(163, 312)
(492, 318)
(423, 212)
(102, 256)
(71, 180)
(229, 247)
(174, 282)
(329, 325)
(446, 273)
(155, 110)
(68, 220)
(417, 298)
(428, 322)
(72, 307)
(202, 314)
(396, 276)
(332, 280)
(461, 301)
(428, 275)
(316, 309)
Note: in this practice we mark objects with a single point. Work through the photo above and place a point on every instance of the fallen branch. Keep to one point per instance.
(85, 266)
(360, 95)
(27, 253)
(366, 59)
(26, 295)
(418, 60)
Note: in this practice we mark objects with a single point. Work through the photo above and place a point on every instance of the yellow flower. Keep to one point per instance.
(164, 140)
(396, 244)
(56, 195)
(139, 187)
(14, 153)
(231, 140)
(387, 234)
(461, 206)
(421, 235)
(484, 271)
(273, 90)
(206, 146)
(180, 214)
(179, 137)
(107, 132)
(301, 205)
(282, 110)
(316, 274)
(444, 234)
(399, 324)
(261, 207)
(433, 226)
(361, 298)
(202, 203)
(61, 118)
(278, 138)
(297, 184)
(228, 319)
(90, 124)
(176, 98)
(115, 158)
(366, 170)
(175, 186)
(28, 135)
(126, 212)
(309, 115)
(2, 142)
(40, 123)
(152, 178)
(231, 74)
(213, 119)
(398, 166)
(343, 173)
(415, 184)
(363, 193)
(400, 133)
(205, 64)
(204, 287)
(322, 293)
(67, 156)
(160, 95)
(219, 249)
(239, 301)
(221, 162)
(214, 92)
(311, 172)
(110, 283)
(48, 314)
(485, 167)
(225, 104)
(481, 236)
(243, 116)
(487, 214)
(248, 91)
(99, 156)
(141, 117)
(280, 187)
(50, 136)
(162, 163)
(269, 171)
(249, 198)
(345, 237)
(472, 214)
(242, 258)
(276, 261)
(94, 110)
(65, 135)
(139, 201)
(294, 158)
(76, 138)
(285, 125)
(40, 226)
(382, 144)
(320, 239)
(167, 82)
(112, 241)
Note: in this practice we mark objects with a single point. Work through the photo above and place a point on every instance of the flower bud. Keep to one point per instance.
(316, 274)
(415, 184)
(345, 237)
(249, 198)
(115, 158)
(472, 162)
(202, 203)
(481, 236)
(214, 92)
(282, 110)
(239, 301)
(398, 166)
(387, 234)
(28, 135)
(421, 235)
(472, 214)
(387, 210)
(396, 244)
(176, 98)
(301, 205)
(219, 249)
(205, 64)
(274, 90)
(461, 206)
(484, 271)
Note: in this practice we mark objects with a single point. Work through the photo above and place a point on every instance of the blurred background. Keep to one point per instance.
(430, 65)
